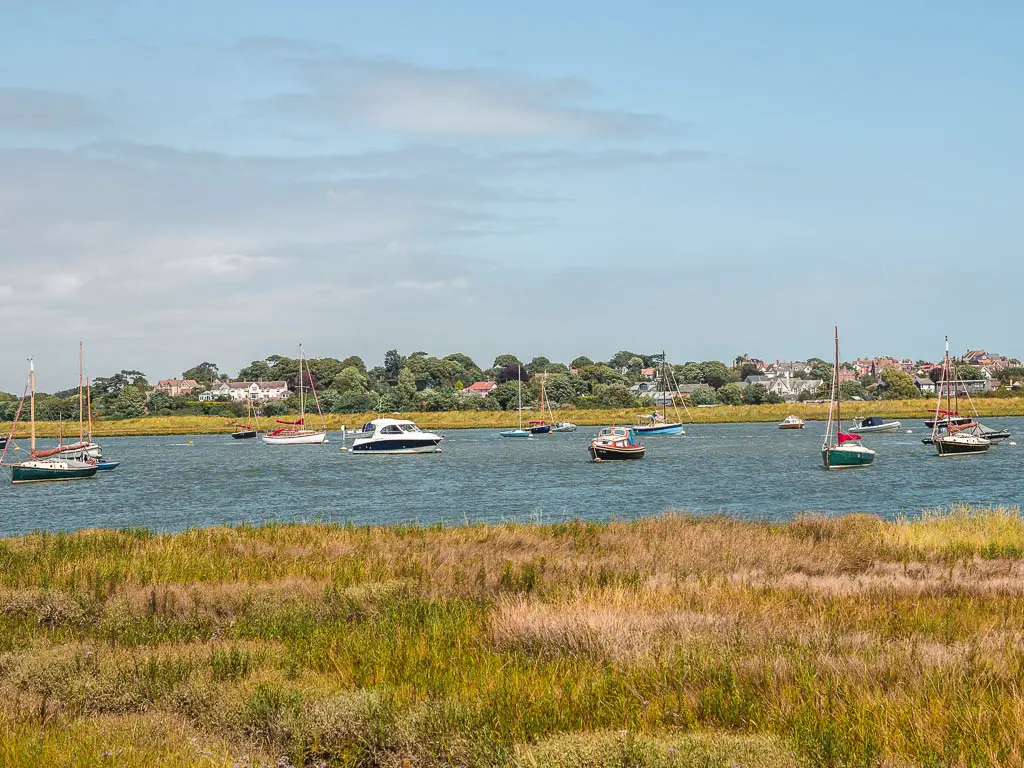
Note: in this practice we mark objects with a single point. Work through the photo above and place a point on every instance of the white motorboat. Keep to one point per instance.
(874, 424)
(82, 451)
(792, 422)
(563, 426)
(397, 436)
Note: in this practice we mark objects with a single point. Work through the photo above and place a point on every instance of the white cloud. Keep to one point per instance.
(407, 98)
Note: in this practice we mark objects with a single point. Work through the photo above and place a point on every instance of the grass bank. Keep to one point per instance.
(670, 641)
(913, 410)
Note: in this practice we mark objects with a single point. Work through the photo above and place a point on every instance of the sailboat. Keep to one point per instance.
(540, 426)
(246, 431)
(295, 432)
(85, 449)
(956, 439)
(844, 450)
(520, 432)
(658, 423)
(44, 466)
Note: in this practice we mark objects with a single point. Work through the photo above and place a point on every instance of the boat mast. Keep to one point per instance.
(88, 405)
(949, 384)
(32, 402)
(835, 390)
(302, 392)
(81, 413)
(519, 375)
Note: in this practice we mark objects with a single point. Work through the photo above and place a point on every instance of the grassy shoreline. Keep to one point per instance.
(913, 410)
(668, 641)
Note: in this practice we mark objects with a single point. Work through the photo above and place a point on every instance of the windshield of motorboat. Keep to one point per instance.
(390, 429)
(410, 428)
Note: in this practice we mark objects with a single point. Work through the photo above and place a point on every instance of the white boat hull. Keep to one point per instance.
(890, 426)
(93, 451)
(312, 438)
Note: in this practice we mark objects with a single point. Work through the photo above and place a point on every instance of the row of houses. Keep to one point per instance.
(230, 391)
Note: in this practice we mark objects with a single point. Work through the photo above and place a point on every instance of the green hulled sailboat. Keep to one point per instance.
(46, 466)
(841, 450)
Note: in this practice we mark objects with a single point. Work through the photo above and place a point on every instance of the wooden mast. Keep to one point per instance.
(835, 390)
(88, 406)
(32, 402)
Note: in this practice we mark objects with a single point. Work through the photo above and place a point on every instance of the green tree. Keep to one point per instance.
(204, 373)
(755, 394)
(617, 396)
(691, 373)
(1011, 374)
(851, 389)
(507, 395)
(503, 361)
(898, 385)
(130, 403)
(393, 365)
(354, 361)
(560, 389)
(730, 394)
(968, 372)
(820, 370)
(257, 370)
(716, 374)
(406, 387)
(703, 395)
(581, 362)
(538, 365)
(160, 401)
(350, 379)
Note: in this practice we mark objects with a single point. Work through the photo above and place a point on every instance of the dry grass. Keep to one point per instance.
(197, 425)
(669, 641)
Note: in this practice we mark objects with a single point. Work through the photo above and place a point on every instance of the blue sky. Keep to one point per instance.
(217, 181)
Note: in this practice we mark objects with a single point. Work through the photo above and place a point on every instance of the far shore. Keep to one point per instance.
(913, 412)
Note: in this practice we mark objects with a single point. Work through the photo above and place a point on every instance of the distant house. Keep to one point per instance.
(175, 387)
(240, 391)
(790, 389)
(647, 373)
(479, 389)
(926, 385)
(643, 388)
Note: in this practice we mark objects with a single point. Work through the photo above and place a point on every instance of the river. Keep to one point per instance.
(753, 471)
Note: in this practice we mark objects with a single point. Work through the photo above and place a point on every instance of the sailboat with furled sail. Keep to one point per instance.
(841, 450)
(44, 466)
(294, 432)
(959, 438)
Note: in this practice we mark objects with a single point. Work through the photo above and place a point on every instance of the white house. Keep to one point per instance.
(240, 391)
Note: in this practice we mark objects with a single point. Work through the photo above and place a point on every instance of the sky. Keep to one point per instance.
(195, 181)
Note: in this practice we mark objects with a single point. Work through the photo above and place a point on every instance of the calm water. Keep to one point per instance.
(751, 470)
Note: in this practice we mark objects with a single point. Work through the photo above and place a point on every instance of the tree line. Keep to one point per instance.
(422, 382)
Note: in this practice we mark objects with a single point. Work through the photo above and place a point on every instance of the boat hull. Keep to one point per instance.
(791, 426)
(106, 466)
(564, 427)
(423, 445)
(956, 421)
(517, 433)
(92, 450)
(847, 457)
(51, 471)
(3, 443)
(248, 434)
(542, 430)
(610, 453)
(892, 426)
(660, 429)
(307, 438)
(950, 446)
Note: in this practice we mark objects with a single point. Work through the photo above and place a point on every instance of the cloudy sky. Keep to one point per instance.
(217, 181)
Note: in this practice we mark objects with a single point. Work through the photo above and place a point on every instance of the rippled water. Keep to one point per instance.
(751, 470)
